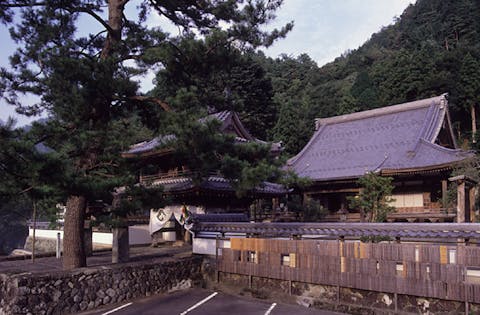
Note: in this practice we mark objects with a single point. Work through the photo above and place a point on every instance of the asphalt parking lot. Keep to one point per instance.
(204, 302)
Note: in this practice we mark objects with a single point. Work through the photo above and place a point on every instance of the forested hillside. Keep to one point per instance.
(433, 48)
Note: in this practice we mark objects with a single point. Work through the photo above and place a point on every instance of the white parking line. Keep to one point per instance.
(117, 309)
(199, 303)
(270, 309)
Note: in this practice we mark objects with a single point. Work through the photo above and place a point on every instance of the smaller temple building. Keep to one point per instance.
(412, 142)
(214, 194)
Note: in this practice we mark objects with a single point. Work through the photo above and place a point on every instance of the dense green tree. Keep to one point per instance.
(420, 55)
(470, 85)
(364, 92)
(85, 84)
(213, 74)
(292, 128)
(374, 197)
(22, 162)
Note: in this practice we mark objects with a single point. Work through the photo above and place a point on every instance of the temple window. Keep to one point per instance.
(409, 200)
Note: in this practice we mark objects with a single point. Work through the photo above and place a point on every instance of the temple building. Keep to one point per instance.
(412, 142)
(215, 194)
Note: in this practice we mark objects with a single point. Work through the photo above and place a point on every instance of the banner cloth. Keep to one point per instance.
(182, 213)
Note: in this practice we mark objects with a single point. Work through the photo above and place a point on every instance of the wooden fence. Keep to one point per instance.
(436, 271)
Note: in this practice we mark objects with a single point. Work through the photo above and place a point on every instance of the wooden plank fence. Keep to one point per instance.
(436, 271)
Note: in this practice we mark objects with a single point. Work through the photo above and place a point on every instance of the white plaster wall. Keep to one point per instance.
(138, 234)
(206, 246)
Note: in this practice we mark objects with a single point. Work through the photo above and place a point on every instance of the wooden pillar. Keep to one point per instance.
(444, 193)
(465, 197)
(275, 204)
(471, 197)
(461, 202)
(187, 237)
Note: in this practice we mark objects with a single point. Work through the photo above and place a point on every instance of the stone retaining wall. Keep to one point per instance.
(87, 288)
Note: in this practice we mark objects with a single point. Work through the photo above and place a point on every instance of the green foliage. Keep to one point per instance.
(468, 167)
(90, 94)
(312, 209)
(292, 128)
(23, 162)
(431, 49)
(214, 74)
(374, 197)
(198, 145)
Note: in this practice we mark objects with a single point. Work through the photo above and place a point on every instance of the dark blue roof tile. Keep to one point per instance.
(395, 137)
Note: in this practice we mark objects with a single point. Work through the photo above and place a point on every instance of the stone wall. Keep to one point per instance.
(345, 300)
(88, 288)
(42, 244)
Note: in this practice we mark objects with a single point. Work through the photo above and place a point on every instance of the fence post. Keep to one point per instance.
(217, 272)
(341, 245)
(395, 300)
(465, 288)
(34, 229)
(58, 246)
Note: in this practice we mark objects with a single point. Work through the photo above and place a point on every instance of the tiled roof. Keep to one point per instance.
(219, 217)
(216, 183)
(150, 145)
(229, 119)
(409, 230)
(395, 138)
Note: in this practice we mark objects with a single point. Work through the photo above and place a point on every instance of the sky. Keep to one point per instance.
(324, 29)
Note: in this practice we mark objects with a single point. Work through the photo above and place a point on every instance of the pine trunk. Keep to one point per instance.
(120, 244)
(73, 239)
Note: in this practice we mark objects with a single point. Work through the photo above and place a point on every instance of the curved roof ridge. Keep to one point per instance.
(434, 122)
(437, 100)
(291, 161)
(431, 122)
(428, 123)
(444, 149)
(240, 127)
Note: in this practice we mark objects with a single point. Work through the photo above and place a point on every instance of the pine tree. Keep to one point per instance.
(86, 86)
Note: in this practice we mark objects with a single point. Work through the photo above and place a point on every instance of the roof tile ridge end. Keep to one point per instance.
(293, 160)
(382, 110)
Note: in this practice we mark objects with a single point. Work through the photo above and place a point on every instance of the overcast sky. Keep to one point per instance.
(324, 29)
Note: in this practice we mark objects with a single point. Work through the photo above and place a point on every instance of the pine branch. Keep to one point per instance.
(92, 14)
(149, 99)
(22, 5)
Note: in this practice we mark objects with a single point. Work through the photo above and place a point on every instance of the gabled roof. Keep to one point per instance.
(230, 123)
(393, 139)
